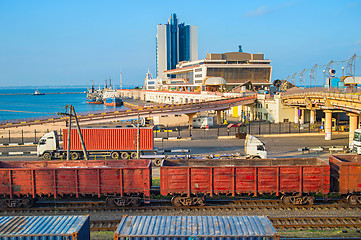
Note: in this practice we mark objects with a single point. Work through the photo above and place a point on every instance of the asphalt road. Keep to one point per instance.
(277, 146)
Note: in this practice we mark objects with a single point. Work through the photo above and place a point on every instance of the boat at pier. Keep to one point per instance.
(94, 96)
(112, 98)
(94, 100)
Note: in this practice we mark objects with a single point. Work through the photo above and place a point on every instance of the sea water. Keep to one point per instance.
(19, 103)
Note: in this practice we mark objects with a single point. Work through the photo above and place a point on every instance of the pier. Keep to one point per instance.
(18, 94)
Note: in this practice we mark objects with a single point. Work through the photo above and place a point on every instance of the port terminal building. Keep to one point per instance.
(218, 72)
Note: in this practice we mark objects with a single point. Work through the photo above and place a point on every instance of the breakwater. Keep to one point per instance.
(17, 94)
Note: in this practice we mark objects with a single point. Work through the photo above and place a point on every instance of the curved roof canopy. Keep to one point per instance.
(215, 81)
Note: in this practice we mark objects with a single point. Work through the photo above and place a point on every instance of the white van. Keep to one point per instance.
(203, 121)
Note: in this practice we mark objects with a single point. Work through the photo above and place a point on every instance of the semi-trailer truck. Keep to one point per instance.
(254, 148)
(119, 143)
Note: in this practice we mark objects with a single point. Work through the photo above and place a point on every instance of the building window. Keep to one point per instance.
(198, 70)
(240, 75)
(198, 75)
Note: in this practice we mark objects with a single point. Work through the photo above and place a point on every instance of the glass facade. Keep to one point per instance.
(187, 76)
(184, 43)
(241, 75)
(178, 42)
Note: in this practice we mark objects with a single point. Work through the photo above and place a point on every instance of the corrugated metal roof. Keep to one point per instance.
(200, 226)
(22, 226)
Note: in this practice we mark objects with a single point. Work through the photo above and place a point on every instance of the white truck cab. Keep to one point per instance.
(48, 143)
(254, 148)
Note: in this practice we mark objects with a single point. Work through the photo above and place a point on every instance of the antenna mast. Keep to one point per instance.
(121, 79)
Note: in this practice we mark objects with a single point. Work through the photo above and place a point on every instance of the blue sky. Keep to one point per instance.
(73, 42)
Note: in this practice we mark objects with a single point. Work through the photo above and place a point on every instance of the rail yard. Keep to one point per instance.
(326, 212)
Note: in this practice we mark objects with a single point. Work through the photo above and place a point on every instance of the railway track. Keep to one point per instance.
(278, 222)
(164, 206)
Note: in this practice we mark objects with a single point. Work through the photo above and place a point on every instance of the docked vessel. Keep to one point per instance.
(94, 100)
(94, 96)
(112, 98)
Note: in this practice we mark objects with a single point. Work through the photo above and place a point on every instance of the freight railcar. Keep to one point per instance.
(293, 179)
(123, 183)
(346, 176)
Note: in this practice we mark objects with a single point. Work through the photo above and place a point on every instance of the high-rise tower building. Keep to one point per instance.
(175, 43)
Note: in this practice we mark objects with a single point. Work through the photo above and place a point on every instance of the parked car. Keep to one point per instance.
(159, 127)
(148, 105)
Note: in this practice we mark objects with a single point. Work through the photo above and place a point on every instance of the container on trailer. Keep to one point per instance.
(44, 227)
(244, 176)
(24, 179)
(196, 227)
(345, 173)
(97, 139)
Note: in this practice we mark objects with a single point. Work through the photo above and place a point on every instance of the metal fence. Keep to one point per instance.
(253, 128)
(179, 132)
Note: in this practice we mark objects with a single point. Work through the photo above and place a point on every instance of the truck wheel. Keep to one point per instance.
(115, 155)
(256, 157)
(124, 155)
(74, 156)
(133, 155)
(47, 156)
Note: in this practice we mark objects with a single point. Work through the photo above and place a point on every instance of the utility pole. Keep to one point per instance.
(138, 137)
(69, 131)
(121, 78)
(80, 135)
(72, 113)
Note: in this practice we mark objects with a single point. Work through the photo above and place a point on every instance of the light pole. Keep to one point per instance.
(343, 71)
(324, 77)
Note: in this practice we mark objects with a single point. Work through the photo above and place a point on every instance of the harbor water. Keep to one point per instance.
(20, 103)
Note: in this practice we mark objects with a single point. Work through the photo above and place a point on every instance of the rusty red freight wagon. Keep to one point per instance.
(295, 179)
(122, 182)
(346, 176)
(119, 143)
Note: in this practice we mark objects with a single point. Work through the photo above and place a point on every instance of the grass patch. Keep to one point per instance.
(101, 235)
(156, 181)
(311, 233)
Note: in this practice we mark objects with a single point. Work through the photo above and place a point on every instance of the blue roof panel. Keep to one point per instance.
(44, 226)
(200, 226)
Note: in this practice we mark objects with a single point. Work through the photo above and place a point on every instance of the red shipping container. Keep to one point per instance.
(75, 178)
(244, 176)
(345, 173)
(98, 139)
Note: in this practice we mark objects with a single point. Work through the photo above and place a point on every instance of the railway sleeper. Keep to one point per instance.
(188, 201)
(298, 200)
(16, 202)
(123, 201)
